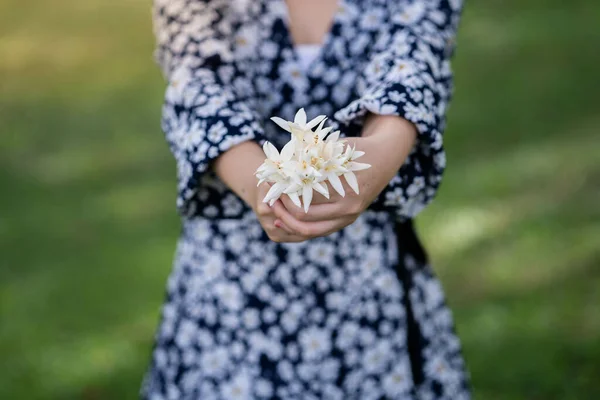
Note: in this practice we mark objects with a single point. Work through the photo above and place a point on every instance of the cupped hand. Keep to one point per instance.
(386, 141)
(328, 215)
(276, 230)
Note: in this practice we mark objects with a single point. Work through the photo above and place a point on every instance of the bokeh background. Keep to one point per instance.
(88, 224)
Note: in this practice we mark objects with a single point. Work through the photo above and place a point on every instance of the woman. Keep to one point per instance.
(271, 302)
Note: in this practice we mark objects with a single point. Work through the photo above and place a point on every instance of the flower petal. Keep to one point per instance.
(300, 117)
(288, 151)
(307, 194)
(282, 123)
(357, 154)
(348, 152)
(293, 187)
(275, 191)
(297, 132)
(356, 166)
(336, 182)
(323, 132)
(295, 198)
(270, 150)
(352, 182)
(321, 189)
(315, 121)
(333, 136)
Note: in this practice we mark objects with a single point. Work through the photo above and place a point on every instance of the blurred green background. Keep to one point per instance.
(88, 224)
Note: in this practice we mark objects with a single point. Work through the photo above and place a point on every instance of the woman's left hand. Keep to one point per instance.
(384, 151)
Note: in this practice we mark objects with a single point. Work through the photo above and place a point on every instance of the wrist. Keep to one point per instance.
(236, 169)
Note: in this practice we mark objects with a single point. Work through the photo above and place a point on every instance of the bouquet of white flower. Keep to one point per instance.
(308, 161)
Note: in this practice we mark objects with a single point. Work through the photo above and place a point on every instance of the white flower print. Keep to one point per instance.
(294, 75)
(410, 14)
(204, 338)
(236, 242)
(230, 295)
(399, 381)
(245, 41)
(238, 388)
(285, 370)
(372, 19)
(251, 318)
(438, 367)
(388, 285)
(214, 362)
(329, 369)
(315, 343)
(335, 300)
(264, 388)
(291, 318)
(322, 253)
(307, 371)
(185, 333)
(357, 231)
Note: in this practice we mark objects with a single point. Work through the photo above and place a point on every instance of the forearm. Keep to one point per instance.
(387, 141)
(236, 169)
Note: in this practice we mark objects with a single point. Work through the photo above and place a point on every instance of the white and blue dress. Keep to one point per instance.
(354, 315)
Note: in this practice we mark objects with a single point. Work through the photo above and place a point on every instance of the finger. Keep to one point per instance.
(325, 228)
(289, 204)
(283, 237)
(270, 219)
(310, 229)
(280, 225)
(318, 198)
(346, 208)
(316, 212)
(296, 226)
(326, 212)
(279, 235)
(334, 196)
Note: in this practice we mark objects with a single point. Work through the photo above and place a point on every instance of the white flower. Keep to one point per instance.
(306, 181)
(230, 295)
(274, 170)
(214, 361)
(275, 162)
(350, 165)
(308, 161)
(299, 121)
(315, 342)
(376, 357)
(238, 388)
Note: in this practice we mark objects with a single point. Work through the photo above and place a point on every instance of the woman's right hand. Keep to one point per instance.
(276, 231)
(236, 168)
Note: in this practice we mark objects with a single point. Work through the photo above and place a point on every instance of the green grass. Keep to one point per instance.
(88, 226)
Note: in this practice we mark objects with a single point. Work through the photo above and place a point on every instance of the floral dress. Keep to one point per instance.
(354, 315)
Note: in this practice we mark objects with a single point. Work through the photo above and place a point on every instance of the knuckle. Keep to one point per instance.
(306, 231)
(263, 209)
(274, 236)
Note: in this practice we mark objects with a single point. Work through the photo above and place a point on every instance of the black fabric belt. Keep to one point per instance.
(409, 243)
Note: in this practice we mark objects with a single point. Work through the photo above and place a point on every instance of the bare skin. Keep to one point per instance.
(386, 140)
(310, 20)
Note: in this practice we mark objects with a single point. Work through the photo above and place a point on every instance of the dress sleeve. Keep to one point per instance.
(208, 105)
(409, 75)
